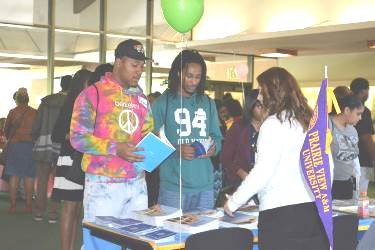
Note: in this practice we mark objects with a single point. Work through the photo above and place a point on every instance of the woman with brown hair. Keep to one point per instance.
(19, 162)
(288, 218)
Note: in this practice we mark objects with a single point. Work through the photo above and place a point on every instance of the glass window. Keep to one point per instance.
(226, 74)
(78, 14)
(76, 47)
(23, 64)
(127, 17)
(222, 67)
(33, 77)
(33, 45)
(68, 69)
(261, 64)
(163, 56)
(24, 11)
(74, 51)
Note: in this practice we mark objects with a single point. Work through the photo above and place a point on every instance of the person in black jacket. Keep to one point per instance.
(360, 87)
(65, 190)
(45, 152)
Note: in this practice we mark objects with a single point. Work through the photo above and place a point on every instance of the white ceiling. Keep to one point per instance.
(335, 39)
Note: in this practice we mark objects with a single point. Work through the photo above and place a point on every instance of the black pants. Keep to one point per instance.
(343, 190)
(293, 227)
(153, 183)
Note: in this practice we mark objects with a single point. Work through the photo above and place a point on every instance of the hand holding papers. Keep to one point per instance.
(202, 147)
(155, 151)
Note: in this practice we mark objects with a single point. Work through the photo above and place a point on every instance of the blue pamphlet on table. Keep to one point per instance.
(155, 152)
(137, 228)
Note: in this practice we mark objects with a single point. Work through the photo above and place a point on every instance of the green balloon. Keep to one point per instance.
(182, 15)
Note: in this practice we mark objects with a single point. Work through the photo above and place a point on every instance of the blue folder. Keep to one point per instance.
(155, 152)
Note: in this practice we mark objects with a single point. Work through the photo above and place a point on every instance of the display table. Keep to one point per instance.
(350, 207)
(133, 242)
(130, 241)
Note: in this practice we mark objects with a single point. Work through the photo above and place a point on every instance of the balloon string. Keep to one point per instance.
(184, 40)
(180, 145)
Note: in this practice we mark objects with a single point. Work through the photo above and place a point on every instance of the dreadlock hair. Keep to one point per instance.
(186, 56)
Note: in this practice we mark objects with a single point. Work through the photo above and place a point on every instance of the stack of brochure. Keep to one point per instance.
(136, 228)
(191, 223)
(160, 236)
(157, 214)
(239, 219)
(111, 221)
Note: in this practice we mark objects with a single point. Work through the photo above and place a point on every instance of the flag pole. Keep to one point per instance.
(329, 96)
(325, 71)
(318, 133)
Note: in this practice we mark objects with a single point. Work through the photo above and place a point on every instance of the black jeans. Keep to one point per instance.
(343, 190)
(293, 227)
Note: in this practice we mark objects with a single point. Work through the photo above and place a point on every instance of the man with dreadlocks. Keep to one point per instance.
(187, 115)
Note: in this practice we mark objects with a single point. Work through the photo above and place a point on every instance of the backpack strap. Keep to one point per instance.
(166, 110)
(97, 104)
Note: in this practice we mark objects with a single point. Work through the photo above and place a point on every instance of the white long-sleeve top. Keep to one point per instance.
(277, 177)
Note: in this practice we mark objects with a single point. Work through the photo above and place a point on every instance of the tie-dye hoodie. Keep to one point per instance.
(121, 116)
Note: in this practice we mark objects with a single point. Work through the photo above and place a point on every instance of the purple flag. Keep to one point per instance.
(315, 162)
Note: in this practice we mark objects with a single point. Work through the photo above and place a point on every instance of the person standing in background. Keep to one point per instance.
(223, 115)
(360, 88)
(195, 120)
(64, 189)
(99, 72)
(239, 147)
(45, 152)
(344, 146)
(234, 111)
(19, 162)
(3, 139)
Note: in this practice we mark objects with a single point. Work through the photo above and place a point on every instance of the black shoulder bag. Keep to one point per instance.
(75, 173)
